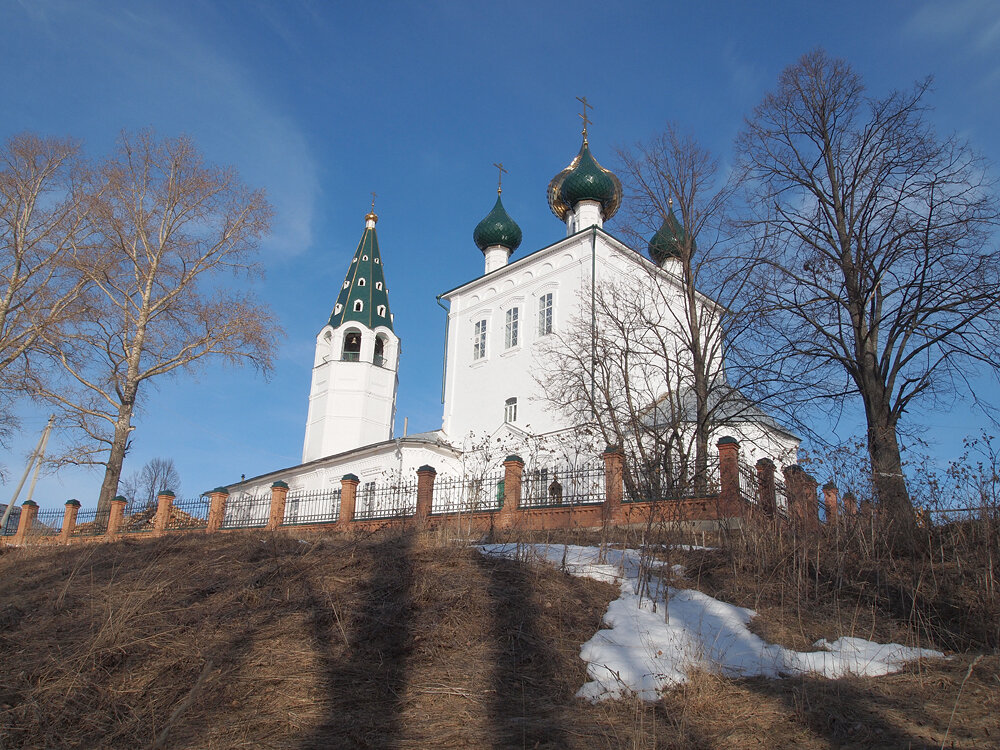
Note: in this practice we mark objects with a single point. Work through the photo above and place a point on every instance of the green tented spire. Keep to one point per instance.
(365, 283)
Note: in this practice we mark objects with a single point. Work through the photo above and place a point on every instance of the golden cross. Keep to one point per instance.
(500, 175)
(586, 120)
(373, 201)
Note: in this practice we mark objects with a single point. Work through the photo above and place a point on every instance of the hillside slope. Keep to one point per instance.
(269, 641)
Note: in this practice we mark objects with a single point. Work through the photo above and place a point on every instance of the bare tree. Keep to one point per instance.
(702, 309)
(169, 225)
(44, 227)
(874, 244)
(142, 487)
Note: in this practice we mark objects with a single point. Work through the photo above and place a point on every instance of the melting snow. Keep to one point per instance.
(638, 652)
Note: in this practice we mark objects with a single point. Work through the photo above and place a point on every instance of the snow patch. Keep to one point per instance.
(638, 652)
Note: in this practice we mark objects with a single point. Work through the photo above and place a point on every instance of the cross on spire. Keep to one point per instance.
(374, 195)
(586, 120)
(500, 175)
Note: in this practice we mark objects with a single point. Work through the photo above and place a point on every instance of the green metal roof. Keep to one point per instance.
(669, 240)
(584, 179)
(365, 283)
(497, 229)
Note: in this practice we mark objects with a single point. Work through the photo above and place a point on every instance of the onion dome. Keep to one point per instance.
(584, 179)
(669, 240)
(497, 229)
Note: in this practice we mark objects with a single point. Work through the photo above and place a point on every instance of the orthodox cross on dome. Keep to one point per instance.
(586, 120)
(500, 175)
(374, 195)
(371, 214)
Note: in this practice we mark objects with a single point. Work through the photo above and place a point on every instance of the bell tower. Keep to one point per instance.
(352, 401)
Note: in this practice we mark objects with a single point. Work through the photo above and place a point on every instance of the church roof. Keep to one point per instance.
(584, 179)
(497, 229)
(364, 284)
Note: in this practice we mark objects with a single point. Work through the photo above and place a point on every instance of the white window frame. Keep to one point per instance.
(479, 339)
(361, 281)
(359, 306)
(546, 313)
(511, 338)
(510, 410)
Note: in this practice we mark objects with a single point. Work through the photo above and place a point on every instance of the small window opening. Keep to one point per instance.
(364, 257)
(510, 410)
(381, 310)
(379, 360)
(361, 282)
(337, 308)
(377, 260)
(346, 283)
(378, 285)
(352, 346)
(359, 306)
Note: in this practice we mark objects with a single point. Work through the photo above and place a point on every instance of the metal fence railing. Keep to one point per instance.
(318, 506)
(246, 511)
(780, 497)
(749, 488)
(48, 523)
(393, 500)
(554, 487)
(10, 528)
(191, 513)
(467, 494)
(91, 522)
(676, 480)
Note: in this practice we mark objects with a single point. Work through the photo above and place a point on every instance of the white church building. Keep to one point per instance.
(497, 326)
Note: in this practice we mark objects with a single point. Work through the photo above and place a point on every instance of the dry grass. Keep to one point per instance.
(389, 640)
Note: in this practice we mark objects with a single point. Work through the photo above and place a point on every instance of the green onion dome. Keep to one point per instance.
(669, 240)
(497, 229)
(584, 179)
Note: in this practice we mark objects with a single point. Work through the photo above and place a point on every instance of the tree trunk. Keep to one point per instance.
(887, 476)
(116, 457)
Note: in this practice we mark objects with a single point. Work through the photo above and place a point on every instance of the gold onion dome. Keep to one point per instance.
(669, 240)
(497, 229)
(584, 179)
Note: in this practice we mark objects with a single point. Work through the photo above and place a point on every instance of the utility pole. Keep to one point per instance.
(35, 459)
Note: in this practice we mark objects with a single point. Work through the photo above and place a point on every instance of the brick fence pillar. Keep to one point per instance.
(793, 494)
(730, 503)
(614, 482)
(830, 502)
(850, 505)
(69, 520)
(279, 491)
(425, 493)
(513, 467)
(216, 509)
(29, 511)
(116, 517)
(348, 498)
(765, 487)
(164, 504)
(810, 502)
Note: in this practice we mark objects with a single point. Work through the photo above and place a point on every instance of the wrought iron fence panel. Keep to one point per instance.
(554, 487)
(393, 500)
(191, 513)
(749, 488)
(48, 523)
(13, 520)
(468, 494)
(780, 497)
(91, 522)
(318, 506)
(676, 480)
(246, 511)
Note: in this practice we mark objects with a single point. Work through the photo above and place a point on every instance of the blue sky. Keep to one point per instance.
(321, 103)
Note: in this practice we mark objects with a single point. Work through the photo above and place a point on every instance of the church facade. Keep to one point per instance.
(500, 325)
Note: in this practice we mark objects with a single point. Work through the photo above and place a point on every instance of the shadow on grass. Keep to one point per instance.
(363, 678)
(527, 697)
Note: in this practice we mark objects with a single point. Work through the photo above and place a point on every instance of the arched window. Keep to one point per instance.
(364, 257)
(381, 310)
(361, 281)
(376, 260)
(337, 308)
(545, 314)
(359, 306)
(352, 346)
(378, 285)
(346, 283)
(379, 359)
(510, 410)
